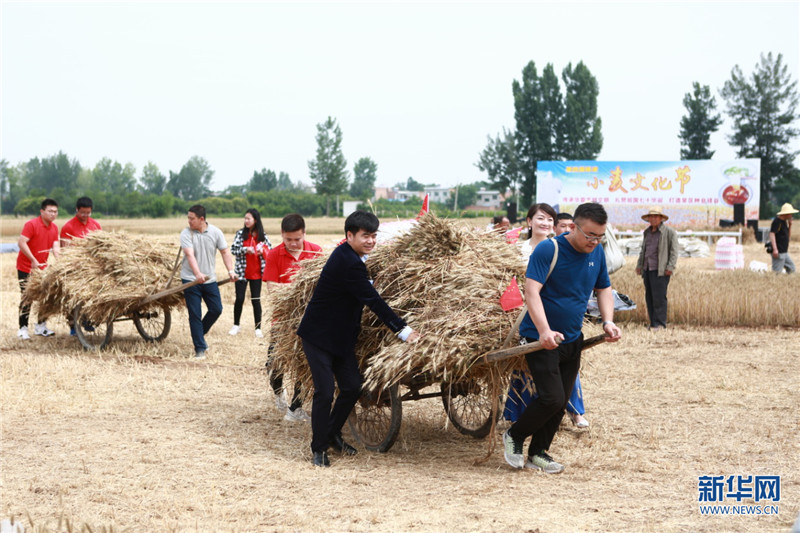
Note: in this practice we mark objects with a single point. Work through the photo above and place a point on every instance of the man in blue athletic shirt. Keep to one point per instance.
(556, 305)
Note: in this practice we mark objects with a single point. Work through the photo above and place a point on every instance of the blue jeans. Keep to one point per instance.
(575, 403)
(199, 324)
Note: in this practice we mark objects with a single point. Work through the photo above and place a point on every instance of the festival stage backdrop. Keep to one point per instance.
(692, 193)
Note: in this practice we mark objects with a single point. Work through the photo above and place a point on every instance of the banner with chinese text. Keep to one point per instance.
(692, 193)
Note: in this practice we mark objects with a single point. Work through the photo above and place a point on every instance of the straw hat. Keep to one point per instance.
(787, 209)
(657, 211)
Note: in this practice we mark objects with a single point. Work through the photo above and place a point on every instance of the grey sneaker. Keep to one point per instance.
(199, 355)
(512, 451)
(298, 415)
(542, 461)
(23, 333)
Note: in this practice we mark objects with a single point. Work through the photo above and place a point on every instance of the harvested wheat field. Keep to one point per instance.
(142, 438)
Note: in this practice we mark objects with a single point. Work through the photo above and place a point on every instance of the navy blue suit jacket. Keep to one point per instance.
(332, 318)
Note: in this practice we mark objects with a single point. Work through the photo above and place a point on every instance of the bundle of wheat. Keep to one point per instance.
(106, 273)
(445, 280)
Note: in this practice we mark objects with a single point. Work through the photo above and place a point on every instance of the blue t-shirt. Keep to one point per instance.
(567, 290)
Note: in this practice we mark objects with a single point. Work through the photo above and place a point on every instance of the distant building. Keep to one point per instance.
(402, 196)
(384, 193)
(489, 199)
(439, 194)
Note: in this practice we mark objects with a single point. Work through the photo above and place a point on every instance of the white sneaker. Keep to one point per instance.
(281, 403)
(23, 333)
(234, 330)
(512, 451)
(259, 334)
(298, 415)
(41, 329)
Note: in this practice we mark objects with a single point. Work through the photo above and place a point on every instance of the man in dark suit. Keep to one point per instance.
(329, 330)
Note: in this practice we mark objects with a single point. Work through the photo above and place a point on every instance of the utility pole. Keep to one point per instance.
(455, 201)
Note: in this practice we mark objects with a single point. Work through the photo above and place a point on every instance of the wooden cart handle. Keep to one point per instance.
(505, 353)
(173, 290)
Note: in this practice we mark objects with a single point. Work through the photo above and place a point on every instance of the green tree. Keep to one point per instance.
(699, 124)
(500, 162)
(193, 181)
(11, 190)
(787, 189)
(763, 108)
(112, 177)
(414, 185)
(328, 171)
(365, 172)
(152, 180)
(52, 172)
(284, 183)
(537, 123)
(580, 136)
(262, 181)
(466, 195)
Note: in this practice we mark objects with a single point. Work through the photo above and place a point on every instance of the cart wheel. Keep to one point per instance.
(469, 404)
(153, 322)
(375, 420)
(92, 336)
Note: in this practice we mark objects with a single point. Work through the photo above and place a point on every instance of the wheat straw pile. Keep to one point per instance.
(107, 273)
(444, 280)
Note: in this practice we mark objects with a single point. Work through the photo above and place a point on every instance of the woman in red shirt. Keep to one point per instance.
(247, 248)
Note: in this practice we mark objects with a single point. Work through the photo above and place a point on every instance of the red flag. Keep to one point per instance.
(512, 297)
(424, 209)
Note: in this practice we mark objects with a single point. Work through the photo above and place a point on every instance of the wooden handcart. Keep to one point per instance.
(472, 405)
(151, 316)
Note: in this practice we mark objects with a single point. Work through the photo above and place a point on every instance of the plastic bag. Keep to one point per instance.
(615, 258)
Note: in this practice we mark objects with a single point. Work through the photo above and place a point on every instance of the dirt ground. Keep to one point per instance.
(142, 438)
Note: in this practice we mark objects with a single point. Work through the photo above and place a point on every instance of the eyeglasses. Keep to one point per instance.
(590, 238)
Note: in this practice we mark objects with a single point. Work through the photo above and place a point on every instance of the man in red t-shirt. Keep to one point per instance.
(76, 228)
(82, 223)
(39, 236)
(282, 262)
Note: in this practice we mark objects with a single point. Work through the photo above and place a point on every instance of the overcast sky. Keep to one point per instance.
(417, 87)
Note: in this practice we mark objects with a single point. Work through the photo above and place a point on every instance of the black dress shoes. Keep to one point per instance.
(321, 459)
(337, 443)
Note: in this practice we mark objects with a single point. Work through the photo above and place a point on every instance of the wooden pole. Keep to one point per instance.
(173, 290)
(523, 349)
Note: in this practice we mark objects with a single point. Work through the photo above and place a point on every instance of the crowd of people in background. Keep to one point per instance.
(565, 265)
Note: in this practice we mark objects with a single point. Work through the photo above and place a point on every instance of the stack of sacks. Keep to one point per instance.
(693, 247)
(729, 255)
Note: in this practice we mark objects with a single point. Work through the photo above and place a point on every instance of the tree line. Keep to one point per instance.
(558, 121)
(555, 119)
(116, 190)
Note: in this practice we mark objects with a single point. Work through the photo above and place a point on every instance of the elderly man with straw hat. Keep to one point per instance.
(657, 261)
(779, 233)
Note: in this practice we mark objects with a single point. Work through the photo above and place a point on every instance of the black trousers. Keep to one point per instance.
(255, 298)
(554, 373)
(655, 294)
(325, 367)
(24, 310)
(276, 381)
